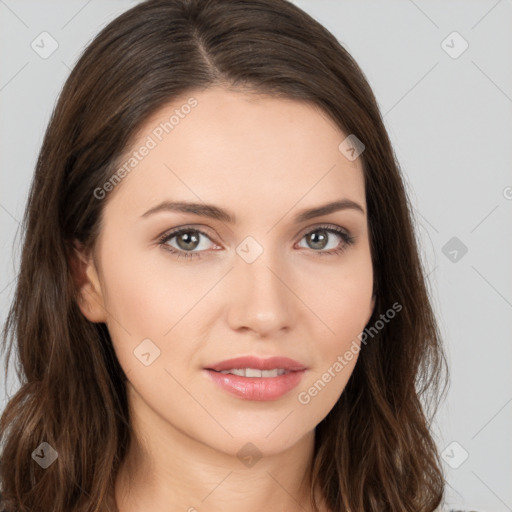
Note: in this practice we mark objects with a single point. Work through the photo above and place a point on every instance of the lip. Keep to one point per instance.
(257, 388)
(257, 363)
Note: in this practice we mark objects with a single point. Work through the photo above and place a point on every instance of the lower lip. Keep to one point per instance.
(257, 388)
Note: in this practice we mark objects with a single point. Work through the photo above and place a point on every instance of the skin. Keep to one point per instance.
(264, 159)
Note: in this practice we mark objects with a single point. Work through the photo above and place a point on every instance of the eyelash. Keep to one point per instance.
(348, 240)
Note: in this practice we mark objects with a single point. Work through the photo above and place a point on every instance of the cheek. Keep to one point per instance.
(344, 312)
(342, 301)
(141, 305)
(153, 298)
(341, 298)
(148, 295)
(137, 299)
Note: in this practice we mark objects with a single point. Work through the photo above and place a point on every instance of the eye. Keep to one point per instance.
(187, 239)
(188, 243)
(320, 238)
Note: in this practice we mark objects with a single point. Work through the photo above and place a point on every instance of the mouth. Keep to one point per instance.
(254, 372)
(256, 363)
(251, 378)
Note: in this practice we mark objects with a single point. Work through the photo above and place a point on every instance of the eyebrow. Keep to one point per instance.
(215, 212)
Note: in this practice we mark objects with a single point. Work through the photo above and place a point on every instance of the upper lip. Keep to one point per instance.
(257, 363)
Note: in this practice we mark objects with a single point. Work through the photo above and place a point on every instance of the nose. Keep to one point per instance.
(261, 298)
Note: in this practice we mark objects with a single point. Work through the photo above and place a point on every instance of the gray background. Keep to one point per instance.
(449, 118)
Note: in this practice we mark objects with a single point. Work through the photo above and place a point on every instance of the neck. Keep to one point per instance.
(190, 480)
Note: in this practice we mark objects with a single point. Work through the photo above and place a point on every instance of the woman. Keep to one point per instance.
(220, 302)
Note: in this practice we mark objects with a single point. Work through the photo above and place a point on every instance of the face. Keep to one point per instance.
(250, 275)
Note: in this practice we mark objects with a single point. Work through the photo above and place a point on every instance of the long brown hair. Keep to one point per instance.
(375, 450)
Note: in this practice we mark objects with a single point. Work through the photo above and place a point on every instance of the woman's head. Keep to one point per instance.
(256, 285)
(252, 107)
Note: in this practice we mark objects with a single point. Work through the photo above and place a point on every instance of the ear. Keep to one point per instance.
(85, 276)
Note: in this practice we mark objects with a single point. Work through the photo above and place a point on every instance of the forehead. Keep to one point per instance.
(229, 147)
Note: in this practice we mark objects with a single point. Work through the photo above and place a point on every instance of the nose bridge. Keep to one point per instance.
(260, 300)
